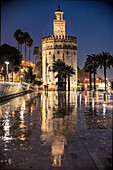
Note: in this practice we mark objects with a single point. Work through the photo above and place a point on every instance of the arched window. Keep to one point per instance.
(58, 52)
(63, 56)
(49, 68)
(53, 57)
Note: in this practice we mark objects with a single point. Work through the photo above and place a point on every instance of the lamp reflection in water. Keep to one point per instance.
(23, 105)
(85, 98)
(7, 136)
(93, 103)
(104, 109)
(0, 111)
(59, 122)
(80, 98)
(22, 125)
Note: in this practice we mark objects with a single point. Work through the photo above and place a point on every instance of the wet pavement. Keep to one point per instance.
(57, 130)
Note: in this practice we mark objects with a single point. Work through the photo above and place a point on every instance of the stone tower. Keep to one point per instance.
(58, 46)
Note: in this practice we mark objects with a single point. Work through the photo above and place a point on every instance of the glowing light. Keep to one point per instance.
(93, 103)
(97, 97)
(13, 113)
(7, 135)
(80, 99)
(6, 62)
(31, 109)
(85, 100)
(101, 85)
(104, 108)
(24, 106)
(0, 110)
(21, 114)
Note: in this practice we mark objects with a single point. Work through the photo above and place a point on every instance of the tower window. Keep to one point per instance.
(74, 53)
(63, 56)
(58, 52)
(53, 58)
(67, 52)
(49, 52)
(49, 68)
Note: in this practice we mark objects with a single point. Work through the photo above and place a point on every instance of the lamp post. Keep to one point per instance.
(21, 75)
(7, 62)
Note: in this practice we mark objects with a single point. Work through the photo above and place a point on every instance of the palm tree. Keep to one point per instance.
(91, 67)
(88, 68)
(21, 41)
(26, 39)
(105, 60)
(69, 72)
(36, 52)
(92, 59)
(17, 36)
(59, 66)
(63, 71)
(29, 44)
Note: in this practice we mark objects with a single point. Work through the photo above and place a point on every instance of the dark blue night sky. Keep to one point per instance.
(90, 21)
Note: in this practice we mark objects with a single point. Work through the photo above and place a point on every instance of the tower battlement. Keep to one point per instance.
(59, 38)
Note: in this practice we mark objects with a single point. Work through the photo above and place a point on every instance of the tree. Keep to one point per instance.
(29, 76)
(29, 44)
(26, 39)
(21, 41)
(88, 68)
(69, 72)
(36, 53)
(105, 60)
(63, 71)
(17, 36)
(59, 66)
(11, 54)
(92, 60)
(38, 69)
(91, 67)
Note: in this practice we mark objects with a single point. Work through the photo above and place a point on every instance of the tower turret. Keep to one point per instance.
(59, 23)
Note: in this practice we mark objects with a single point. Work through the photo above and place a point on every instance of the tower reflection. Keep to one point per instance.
(59, 122)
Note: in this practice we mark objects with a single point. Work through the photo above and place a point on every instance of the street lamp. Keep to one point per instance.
(7, 62)
(21, 75)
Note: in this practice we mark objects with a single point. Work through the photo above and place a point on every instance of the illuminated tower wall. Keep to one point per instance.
(58, 46)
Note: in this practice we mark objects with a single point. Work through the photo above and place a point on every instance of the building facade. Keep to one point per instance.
(58, 46)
